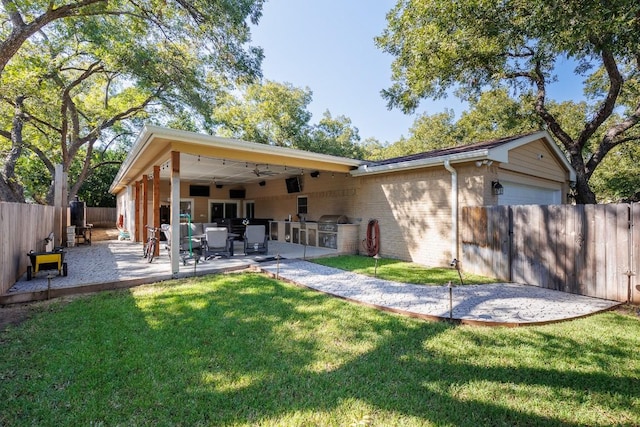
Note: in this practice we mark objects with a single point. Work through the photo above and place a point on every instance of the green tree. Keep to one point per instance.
(277, 114)
(491, 115)
(618, 178)
(95, 189)
(269, 113)
(469, 46)
(336, 136)
(495, 114)
(428, 132)
(222, 24)
(69, 82)
(374, 149)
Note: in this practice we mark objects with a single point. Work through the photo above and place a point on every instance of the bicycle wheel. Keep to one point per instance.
(151, 250)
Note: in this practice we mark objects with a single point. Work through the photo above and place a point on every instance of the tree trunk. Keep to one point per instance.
(10, 188)
(584, 195)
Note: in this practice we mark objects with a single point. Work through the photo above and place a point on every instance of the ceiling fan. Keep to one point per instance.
(264, 172)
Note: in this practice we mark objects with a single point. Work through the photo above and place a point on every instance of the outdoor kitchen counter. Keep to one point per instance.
(345, 239)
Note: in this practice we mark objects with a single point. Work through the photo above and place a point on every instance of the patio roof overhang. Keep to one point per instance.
(210, 159)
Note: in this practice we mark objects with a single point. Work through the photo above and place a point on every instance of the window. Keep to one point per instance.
(186, 207)
(302, 205)
(222, 209)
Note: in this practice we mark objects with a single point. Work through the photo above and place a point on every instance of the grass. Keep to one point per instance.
(401, 271)
(245, 350)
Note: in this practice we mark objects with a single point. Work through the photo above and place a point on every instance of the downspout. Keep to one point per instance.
(454, 209)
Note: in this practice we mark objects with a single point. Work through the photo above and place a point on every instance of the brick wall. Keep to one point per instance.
(414, 213)
(326, 194)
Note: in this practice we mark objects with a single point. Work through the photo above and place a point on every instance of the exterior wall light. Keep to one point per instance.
(496, 188)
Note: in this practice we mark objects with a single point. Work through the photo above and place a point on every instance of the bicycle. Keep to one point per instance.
(149, 248)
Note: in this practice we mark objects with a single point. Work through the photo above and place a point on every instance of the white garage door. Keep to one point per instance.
(520, 194)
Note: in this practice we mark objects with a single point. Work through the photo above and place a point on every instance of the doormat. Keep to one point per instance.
(266, 259)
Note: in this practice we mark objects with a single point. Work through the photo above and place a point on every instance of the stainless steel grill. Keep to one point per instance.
(329, 223)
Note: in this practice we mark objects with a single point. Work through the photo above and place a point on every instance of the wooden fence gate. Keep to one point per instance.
(591, 250)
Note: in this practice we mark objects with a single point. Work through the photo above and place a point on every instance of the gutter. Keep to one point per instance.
(469, 156)
(454, 209)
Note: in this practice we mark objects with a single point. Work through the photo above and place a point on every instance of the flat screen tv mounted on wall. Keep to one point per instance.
(198, 191)
(237, 194)
(293, 184)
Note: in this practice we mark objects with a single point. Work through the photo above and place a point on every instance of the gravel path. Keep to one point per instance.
(504, 303)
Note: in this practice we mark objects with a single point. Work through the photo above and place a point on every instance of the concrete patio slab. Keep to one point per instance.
(113, 264)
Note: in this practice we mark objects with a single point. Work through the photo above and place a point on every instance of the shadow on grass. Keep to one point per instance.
(250, 350)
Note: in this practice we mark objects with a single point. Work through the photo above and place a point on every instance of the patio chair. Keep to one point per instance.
(255, 239)
(166, 230)
(217, 242)
(185, 250)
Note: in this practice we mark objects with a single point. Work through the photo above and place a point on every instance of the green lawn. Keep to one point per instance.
(401, 271)
(245, 349)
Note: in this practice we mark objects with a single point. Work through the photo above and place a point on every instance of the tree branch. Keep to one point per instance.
(112, 140)
(68, 108)
(541, 108)
(85, 167)
(42, 156)
(612, 139)
(606, 108)
(21, 31)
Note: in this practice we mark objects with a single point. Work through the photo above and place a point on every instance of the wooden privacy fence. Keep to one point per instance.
(102, 217)
(591, 250)
(22, 228)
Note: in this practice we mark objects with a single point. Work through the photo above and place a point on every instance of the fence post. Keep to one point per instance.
(59, 201)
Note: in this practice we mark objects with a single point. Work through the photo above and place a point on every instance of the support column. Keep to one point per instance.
(156, 203)
(175, 212)
(145, 207)
(138, 234)
(59, 202)
(130, 212)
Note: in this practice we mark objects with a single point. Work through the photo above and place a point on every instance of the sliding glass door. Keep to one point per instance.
(222, 209)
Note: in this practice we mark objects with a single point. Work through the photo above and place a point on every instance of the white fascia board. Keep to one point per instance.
(468, 156)
(210, 140)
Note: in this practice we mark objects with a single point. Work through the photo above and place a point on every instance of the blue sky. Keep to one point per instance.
(328, 46)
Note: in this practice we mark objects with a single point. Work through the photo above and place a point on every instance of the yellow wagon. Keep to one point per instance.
(41, 261)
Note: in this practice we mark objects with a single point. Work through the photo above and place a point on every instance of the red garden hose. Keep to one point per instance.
(372, 243)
